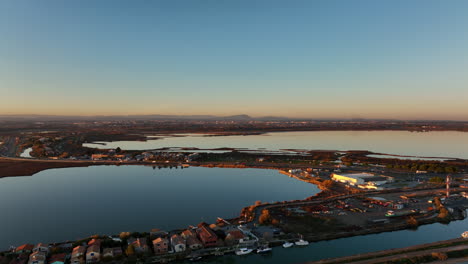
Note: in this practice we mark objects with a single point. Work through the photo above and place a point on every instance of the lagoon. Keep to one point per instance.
(72, 203)
(443, 144)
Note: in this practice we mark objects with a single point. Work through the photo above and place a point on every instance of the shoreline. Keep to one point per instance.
(324, 196)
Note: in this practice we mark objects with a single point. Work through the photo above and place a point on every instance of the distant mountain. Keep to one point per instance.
(243, 117)
(39, 118)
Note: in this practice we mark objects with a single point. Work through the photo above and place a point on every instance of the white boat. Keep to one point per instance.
(465, 234)
(263, 249)
(301, 242)
(243, 251)
(288, 244)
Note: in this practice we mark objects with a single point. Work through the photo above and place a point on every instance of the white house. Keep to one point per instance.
(178, 243)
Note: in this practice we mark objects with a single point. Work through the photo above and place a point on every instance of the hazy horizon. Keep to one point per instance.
(299, 59)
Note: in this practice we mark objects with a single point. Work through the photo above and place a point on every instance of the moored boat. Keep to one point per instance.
(243, 251)
(264, 249)
(288, 244)
(301, 242)
(465, 234)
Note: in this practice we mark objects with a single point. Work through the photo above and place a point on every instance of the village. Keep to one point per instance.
(154, 246)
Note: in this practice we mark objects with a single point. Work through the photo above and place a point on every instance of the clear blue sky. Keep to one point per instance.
(369, 59)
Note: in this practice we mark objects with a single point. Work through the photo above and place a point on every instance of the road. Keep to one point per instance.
(383, 256)
(9, 147)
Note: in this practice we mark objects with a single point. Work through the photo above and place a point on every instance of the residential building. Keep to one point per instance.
(188, 233)
(139, 244)
(94, 241)
(234, 237)
(178, 243)
(156, 232)
(26, 248)
(160, 245)
(41, 247)
(37, 257)
(207, 236)
(193, 243)
(112, 252)
(58, 258)
(78, 251)
(93, 254)
(77, 260)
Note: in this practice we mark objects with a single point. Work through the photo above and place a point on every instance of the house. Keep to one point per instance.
(78, 260)
(93, 254)
(160, 245)
(37, 257)
(193, 243)
(207, 236)
(94, 241)
(178, 243)
(78, 251)
(58, 258)
(234, 237)
(42, 248)
(26, 248)
(139, 244)
(112, 252)
(188, 233)
(156, 232)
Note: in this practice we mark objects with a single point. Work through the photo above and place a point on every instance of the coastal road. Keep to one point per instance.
(411, 255)
(399, 253)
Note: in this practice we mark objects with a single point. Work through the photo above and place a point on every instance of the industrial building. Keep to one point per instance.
(361, 180)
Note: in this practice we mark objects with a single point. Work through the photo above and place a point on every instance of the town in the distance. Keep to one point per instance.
(360, 191)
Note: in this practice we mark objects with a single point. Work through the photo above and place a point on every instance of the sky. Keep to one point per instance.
(316, 59)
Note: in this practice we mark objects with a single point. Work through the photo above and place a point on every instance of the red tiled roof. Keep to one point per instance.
(25, 247)
(94, 241)
(79, 249)
(237, 234)
(207, 234)
(94, 248)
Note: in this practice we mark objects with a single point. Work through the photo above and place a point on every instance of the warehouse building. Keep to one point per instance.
(362, 180)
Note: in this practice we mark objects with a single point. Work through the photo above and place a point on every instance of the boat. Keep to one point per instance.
(243, 251)
(194, 259)
(301, 242)
(288, 244)
(263, 249)
(465, 234)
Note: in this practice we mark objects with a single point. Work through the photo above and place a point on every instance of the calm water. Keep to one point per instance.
(72, 203)
(354, 245)
(428, 144)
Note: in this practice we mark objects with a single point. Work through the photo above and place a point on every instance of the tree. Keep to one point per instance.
(265, 217)
(130, 251)
(328, 184)
(412, 221)
(124, 235)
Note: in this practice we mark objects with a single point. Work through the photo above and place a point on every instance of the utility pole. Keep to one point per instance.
(448, 182)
